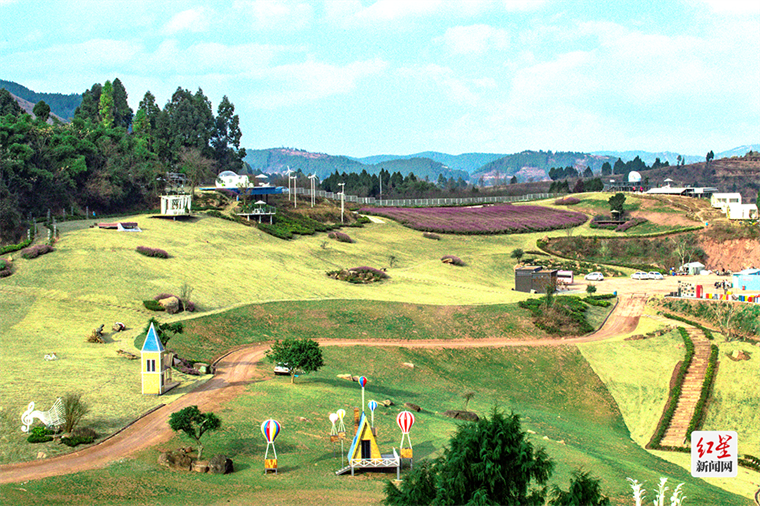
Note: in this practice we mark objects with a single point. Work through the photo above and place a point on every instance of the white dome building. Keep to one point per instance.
(229, 179)
(634, 177)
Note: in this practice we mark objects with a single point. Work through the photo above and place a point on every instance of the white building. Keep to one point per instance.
(742, 211)
(723, 200)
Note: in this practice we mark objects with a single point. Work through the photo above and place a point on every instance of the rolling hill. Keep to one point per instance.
(61, 105)
(278, 160)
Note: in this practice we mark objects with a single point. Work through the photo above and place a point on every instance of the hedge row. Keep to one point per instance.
(708, 334)
(542, 245)
(630, 224)
(675, 394)
(15, 247)
(700, 411)
(750, 462)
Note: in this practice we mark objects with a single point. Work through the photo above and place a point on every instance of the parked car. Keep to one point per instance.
(594, 276)
(282, 369)
(640, 275)
(656, 275)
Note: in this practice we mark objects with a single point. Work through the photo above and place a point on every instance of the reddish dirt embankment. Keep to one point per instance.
(733, 255)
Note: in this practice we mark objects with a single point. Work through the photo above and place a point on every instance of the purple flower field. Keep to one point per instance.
(497, 219)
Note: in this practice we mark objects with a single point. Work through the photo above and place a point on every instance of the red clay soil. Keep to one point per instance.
(244, 366)
(734, 255)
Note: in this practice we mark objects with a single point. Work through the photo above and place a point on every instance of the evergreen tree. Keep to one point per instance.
(606, 169)
(584, 491)
(42, 111)
(487, 462)
(588, 172)
(226, 138)
(88, 109)
(122, 113)
(106, 108)
(8, 104)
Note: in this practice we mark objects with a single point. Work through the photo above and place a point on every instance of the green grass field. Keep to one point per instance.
(249, 287)
(562, 402)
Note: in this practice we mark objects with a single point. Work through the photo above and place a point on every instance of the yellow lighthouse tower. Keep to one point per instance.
(156, 373)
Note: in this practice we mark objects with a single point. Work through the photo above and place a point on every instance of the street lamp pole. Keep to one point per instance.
(294, 178)
(287, 173)
(313, 178)
(342, 196)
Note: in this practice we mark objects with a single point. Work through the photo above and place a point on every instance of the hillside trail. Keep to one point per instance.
(244, 365)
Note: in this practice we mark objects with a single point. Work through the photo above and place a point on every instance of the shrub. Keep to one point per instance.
(84, 435)
(6, 268)
(630, 224)
(74, 410)
(153, 305)
(15, 247)
(590, 289)
(340, 237)
(451, 259)
(362, 274)
(567, 201)
(431, 235)
(152, 252)
(40, 435)
(35, 251)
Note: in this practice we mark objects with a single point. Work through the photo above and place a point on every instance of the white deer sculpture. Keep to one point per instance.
(53, 417)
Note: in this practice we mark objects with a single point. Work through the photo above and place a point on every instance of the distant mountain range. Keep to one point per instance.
(526, 165)
(61, 105)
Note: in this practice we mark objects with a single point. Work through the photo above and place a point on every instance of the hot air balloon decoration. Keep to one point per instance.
(270, 429)
(405, 420)
(334, 430)
(372, 407)
(341, 426)
(363, 383)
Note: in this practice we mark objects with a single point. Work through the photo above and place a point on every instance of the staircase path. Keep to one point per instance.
(690, 391)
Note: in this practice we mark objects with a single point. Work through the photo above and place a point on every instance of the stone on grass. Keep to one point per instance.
(346, 377)
(458, 414)
(387, 403)
(176, 460)
(220, 464)
(408, 364)
(170, 304)
(200, 466)
(201, 367)
(412, 406)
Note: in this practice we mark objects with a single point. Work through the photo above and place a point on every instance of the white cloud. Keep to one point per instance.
(281, 15)
(457, 89)
(475, 39)
(733, 7)
(399, 10)
(298, 83)
(191, 20)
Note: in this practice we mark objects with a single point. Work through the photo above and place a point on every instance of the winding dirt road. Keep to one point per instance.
(244, 366)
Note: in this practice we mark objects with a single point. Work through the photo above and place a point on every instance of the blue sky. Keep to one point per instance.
(402, 76)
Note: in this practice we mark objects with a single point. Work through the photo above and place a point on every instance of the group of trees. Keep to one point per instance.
(580, 186)
(492, 462)
(394, 185)
(108, 159)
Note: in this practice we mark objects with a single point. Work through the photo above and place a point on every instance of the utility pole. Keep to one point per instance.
(342, 196)
(313, 177)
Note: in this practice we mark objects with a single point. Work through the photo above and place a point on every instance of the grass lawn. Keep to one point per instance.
(562, 402)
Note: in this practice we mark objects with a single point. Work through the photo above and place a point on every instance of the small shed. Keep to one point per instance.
(693, 268)
(534, 279)
(742, 211)
(748, 279)
(176, 205)
(155, 367)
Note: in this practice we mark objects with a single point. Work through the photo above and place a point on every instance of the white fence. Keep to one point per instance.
(372, 201)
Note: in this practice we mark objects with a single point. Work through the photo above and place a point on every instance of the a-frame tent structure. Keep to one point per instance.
(364, 452)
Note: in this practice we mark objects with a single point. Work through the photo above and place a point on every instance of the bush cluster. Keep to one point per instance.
(286, 226)
(707, 332)
(451, 259)
(431, 235)
(152, 252)
(84, 435)
(340, 237)
(6, 269)
(15, 247)
(40, 435)
(750, 462)
(153, 305)
(630, 224)
(565, 316)
(567, 201)
(184, 305)
(359, 275)
(675, 393)
(35, 251)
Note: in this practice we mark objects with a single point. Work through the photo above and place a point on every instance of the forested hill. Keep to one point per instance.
(542, 161)
(61, 105)
(466, 161)
(321, 164)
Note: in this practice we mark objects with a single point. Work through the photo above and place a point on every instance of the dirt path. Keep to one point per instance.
(243, 366)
